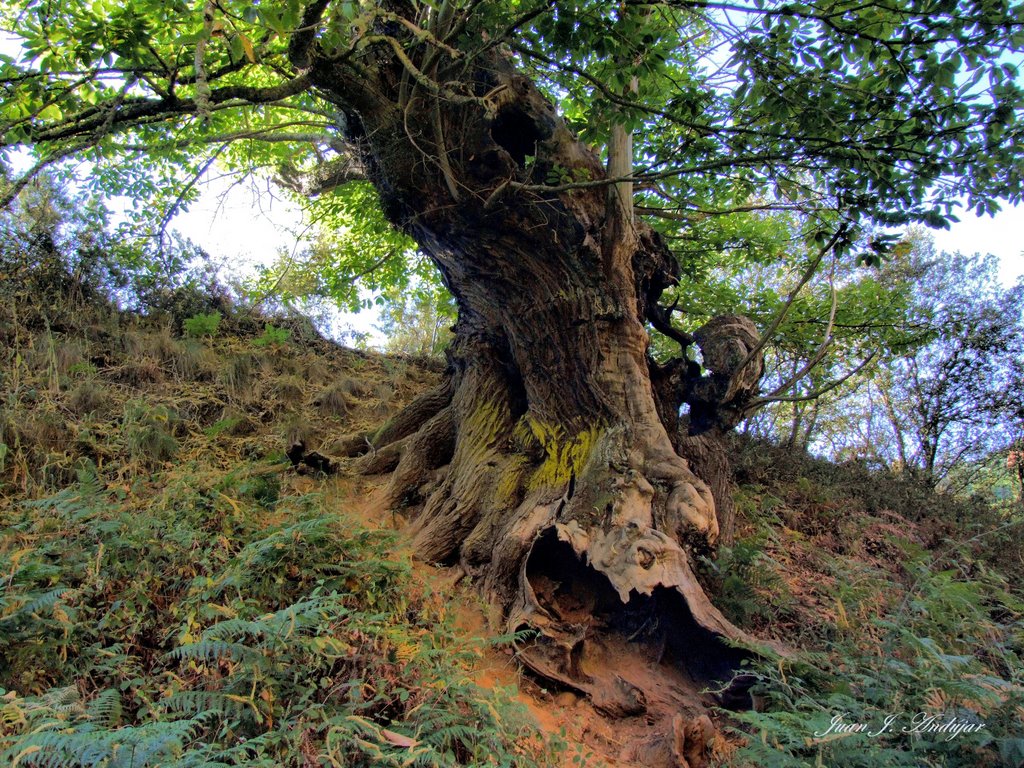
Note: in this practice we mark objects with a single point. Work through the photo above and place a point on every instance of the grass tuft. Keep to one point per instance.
(239, 373)
(87, 397)
(147, 433)
(334, 400)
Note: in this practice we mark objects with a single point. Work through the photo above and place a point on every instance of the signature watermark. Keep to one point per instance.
(921, 723)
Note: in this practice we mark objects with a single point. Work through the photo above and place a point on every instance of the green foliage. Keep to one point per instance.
(60, 248)
(419, 323)
(879, 623)
(272, 336)
(356, 252)
(747, 589)
(825, 113)
(214, 622)
(147, 432)
(203, 324)
(957, 398)
(950, 649)
(942, 399)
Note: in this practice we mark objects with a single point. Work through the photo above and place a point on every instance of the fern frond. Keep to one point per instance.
(105, 709)
(202, 703)
(214, 650)
(37, 604)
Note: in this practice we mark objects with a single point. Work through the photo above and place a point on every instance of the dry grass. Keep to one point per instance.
(142, 371)
(288, 390)
(130, 395)
(335, 400)
(67, 355)
(297, 429)
(383, 395)
(44, 429)
(239, 373)
(315, 370)
(134, 341)
(147, 432)
(87, 397)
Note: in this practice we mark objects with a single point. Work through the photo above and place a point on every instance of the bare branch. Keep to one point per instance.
(819, 353)
(19, 184)
(814, 395)
(812, 268)
(173, 208)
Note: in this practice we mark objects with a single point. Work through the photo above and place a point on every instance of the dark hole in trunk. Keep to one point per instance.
(515, 132)
(658, 629)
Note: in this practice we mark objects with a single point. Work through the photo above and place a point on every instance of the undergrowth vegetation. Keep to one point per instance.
(219, 624)
(172, 592)
(903, 609)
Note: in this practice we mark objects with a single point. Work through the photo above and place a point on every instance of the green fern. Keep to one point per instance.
(192, 634)
(940, 650)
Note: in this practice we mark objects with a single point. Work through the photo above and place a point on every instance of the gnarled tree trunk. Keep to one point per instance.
(559, 488)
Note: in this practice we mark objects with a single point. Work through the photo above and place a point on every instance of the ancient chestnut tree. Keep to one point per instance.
(551, 159)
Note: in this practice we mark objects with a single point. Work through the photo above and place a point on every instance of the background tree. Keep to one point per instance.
(421, 323)
(950, 403)
(939, 396)
(554, 430)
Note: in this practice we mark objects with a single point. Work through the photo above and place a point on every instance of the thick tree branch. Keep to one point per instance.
(300, 46)
(819, 353)
(135, 111)
(323, 178)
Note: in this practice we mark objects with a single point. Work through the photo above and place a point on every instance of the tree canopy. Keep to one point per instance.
(868, 113)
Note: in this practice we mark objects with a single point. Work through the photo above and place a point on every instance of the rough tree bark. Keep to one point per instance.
(545, 466)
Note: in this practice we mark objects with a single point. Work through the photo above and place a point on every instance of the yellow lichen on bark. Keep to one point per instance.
(481, 429)
(564, 455)
(511, 479)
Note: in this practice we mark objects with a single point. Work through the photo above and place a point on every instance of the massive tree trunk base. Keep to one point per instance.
(544, 468)
(578, 541)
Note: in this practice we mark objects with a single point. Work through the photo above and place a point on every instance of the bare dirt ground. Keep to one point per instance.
(588, 736)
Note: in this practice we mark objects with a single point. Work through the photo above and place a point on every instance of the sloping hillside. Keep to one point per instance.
(183, 585)
(176, 591)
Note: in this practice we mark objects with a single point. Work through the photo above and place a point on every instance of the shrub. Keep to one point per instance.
(273, 336)
(202, 324)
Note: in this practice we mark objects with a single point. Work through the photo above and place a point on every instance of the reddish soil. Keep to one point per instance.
(591, 737)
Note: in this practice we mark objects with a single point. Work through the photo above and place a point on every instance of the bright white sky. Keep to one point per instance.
(1002, 235)
(242, 226)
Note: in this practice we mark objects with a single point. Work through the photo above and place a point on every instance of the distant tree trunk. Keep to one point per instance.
(546, 470)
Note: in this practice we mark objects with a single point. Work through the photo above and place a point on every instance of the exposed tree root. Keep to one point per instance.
(579, 540)
(411, 418)
(406, 422)
(421, 452)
